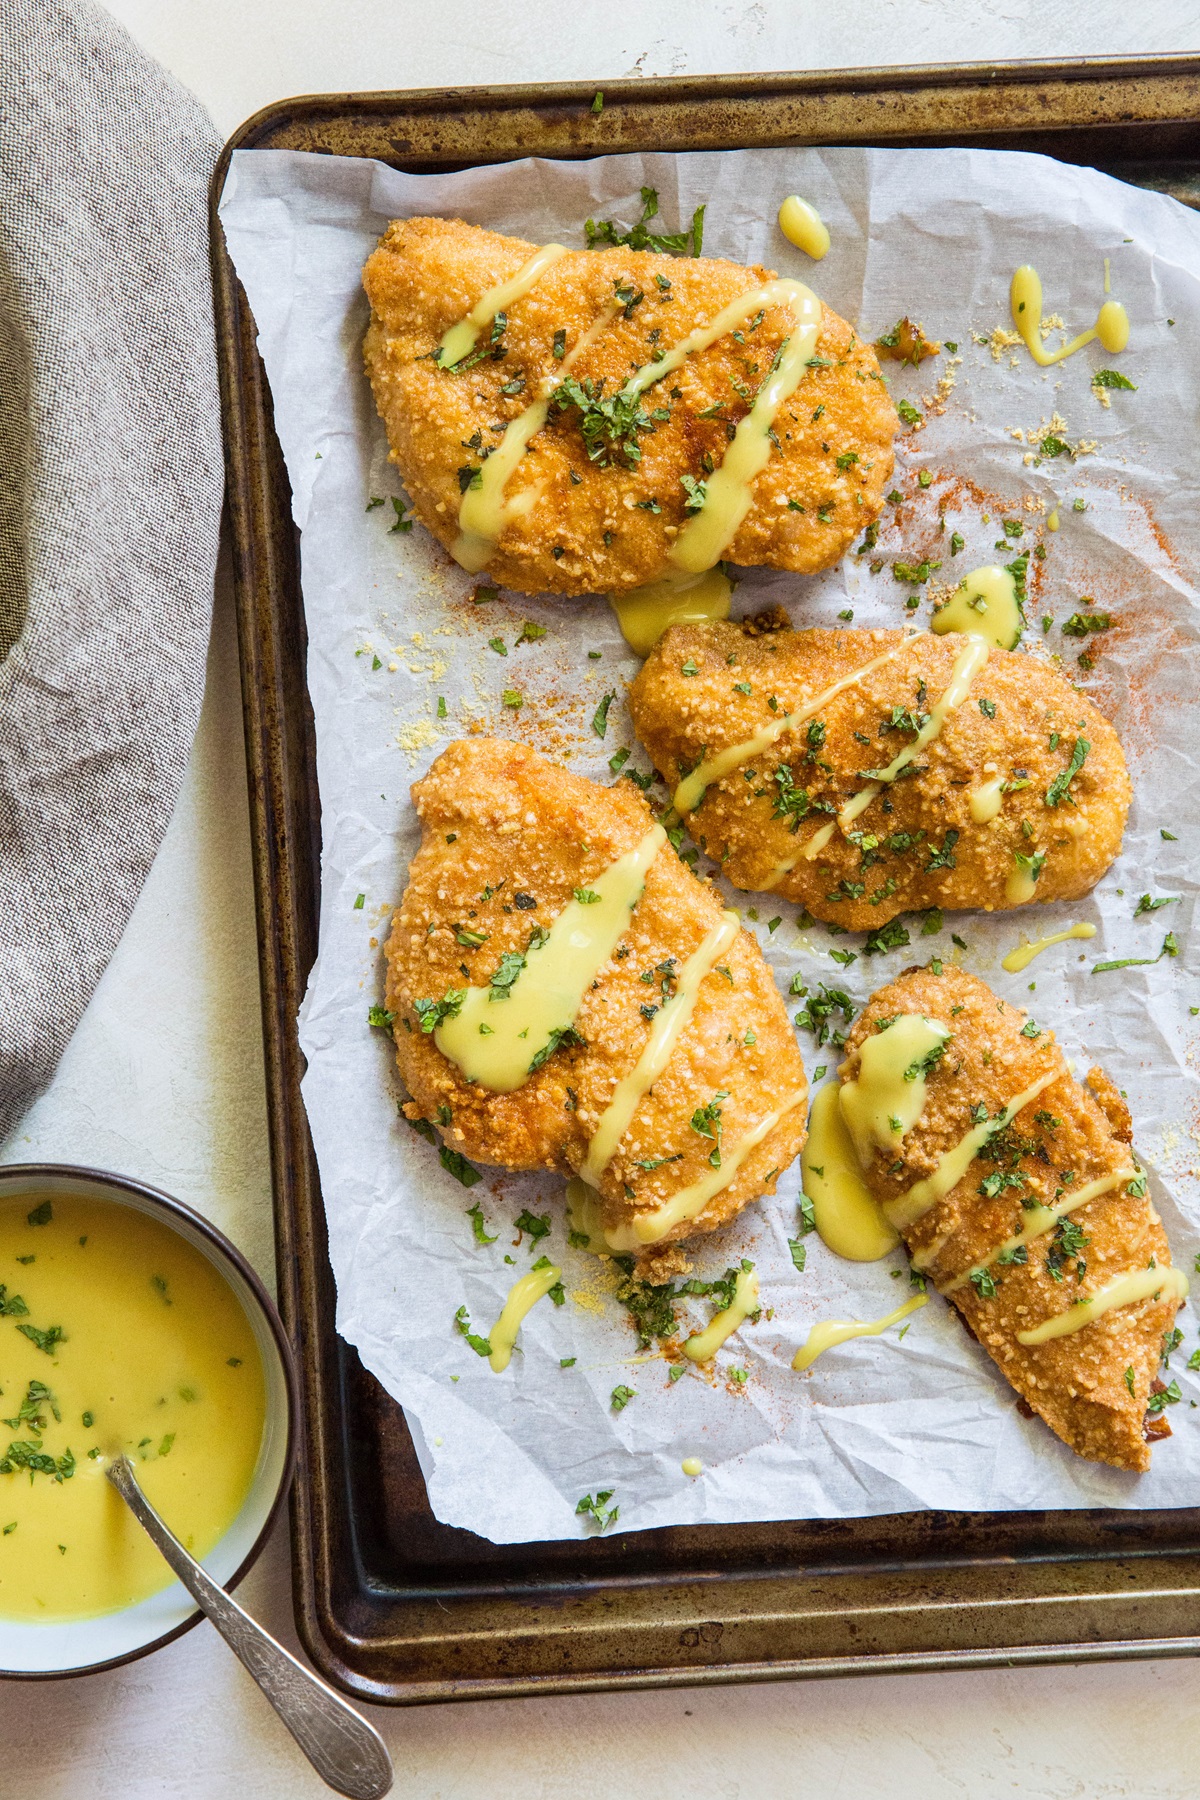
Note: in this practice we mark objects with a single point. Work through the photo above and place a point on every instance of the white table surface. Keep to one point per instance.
(164, 1081)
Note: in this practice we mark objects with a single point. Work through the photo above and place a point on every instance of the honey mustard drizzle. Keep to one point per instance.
(916, 1201)
(665, 1030)
(690, 1202)
(745, 1305)
(1025, 299)
(522, 1296)
(1023, 955)
(691, 789)
(461, 338)
(500, 1041)
(967, 664)
(1037, 1222)
(484, 513)
(1137, 1284)
(831, 1332)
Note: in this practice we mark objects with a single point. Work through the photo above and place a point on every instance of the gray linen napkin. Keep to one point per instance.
(110, 496)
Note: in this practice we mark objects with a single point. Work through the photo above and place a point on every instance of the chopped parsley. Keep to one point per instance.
(600, 716)
(707, 1121)
(677, 243)
(479, 1345)
(431, 1013)
(1112, 378)
(1080, 625)
(819, 1011)
(536, 1225)
(593, 1508)
(696, 491)
(456, 1164)
(48, 1340)
(621, 1396)
(892, 936)
(478, 1226)
(567, 1034)
(944, 858)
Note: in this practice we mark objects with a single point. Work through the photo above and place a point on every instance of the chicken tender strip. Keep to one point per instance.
(509, 842)
(1007, 1267)
(607, 521)
(1007, 785)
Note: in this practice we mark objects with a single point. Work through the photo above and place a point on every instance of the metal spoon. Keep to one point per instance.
(347, 1753)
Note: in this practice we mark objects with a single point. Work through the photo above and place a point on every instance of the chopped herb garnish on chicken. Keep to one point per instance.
(1059, 788)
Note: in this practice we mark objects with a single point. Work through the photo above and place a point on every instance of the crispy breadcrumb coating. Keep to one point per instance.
(1091, 1387)
(1018, 724)
(526, 834)
(609, 529)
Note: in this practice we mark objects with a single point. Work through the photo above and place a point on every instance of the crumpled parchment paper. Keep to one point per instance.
(887, 1424)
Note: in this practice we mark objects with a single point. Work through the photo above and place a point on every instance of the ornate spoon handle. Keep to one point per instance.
(347, 1753)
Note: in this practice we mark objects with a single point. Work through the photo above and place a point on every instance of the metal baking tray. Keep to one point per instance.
(391, 1604)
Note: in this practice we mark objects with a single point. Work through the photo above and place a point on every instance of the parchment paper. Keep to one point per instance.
(884, 1424)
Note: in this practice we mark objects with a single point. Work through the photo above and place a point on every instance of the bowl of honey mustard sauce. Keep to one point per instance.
(127, 1323)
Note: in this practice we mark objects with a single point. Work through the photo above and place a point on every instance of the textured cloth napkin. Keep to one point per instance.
(110, 496)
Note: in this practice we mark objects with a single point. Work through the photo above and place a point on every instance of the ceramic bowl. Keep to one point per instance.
(81, 1646)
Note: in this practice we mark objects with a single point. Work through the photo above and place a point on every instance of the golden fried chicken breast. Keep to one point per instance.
(1009, 1233)
(1021, 794)
(608, 485)
(516, 862)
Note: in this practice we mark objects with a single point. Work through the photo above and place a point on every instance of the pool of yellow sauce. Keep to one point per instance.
(156, 1357)
(644, 613)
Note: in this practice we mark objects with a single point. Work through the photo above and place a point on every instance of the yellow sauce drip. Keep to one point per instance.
(690, 1202)
(1138, 1284)
(1025, 298)
(802, 225)
(916, 1201)
(708, 532)
(494, 1042)
(985, 800)
(1039, 1221)
(887, 1097)
(984, 604)
(584, 1217)
(522, 1295)
(484, 512)
(690, 791)
(849, 1218)
(160, 1358)
(704, 1346)
(831, 1332)
(665, 1028)
(460, 340)
(674, 599)
(1023, 955)
(691, 1465)
(1052, 522)
(1021, 886)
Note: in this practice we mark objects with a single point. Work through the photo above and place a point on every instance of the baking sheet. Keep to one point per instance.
(885, 1424)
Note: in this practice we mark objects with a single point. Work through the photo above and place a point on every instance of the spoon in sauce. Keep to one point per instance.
(347, 1753)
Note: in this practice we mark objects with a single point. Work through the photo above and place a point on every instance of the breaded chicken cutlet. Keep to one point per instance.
(1019, 1198)
(609, 450)
(871, 773)
(567, 995)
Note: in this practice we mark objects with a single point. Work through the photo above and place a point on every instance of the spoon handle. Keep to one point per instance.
(347, 1753)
